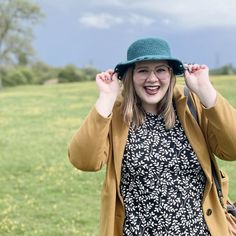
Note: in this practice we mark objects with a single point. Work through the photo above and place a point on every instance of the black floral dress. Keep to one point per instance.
(162, 182)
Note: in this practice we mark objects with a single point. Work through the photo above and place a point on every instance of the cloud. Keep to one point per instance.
(100, 21)
(182, 13)
(107, 20)
(197, 14)
(136, 19)
(111, 3)
(170, 13)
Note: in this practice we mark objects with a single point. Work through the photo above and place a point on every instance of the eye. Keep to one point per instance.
(142, 71)
(162, 69)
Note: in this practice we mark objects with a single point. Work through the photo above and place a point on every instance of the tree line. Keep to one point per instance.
(18, 62)
(41, 73)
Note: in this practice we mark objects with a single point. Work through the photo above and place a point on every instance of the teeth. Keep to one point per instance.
(152, 88)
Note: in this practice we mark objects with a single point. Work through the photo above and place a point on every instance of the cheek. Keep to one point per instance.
(169, 80)
(136, 88)
(135, 84)
(166, 84)
(166, 81)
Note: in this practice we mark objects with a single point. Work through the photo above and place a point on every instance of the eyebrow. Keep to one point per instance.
(146, 66)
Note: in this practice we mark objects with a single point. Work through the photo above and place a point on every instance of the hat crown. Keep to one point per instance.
(148, 47)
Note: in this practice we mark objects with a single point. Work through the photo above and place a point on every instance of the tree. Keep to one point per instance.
(68, 74)
(16, 20)
(227, 69)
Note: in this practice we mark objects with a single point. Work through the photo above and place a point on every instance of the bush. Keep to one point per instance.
(69, 74)
(43, 72)
(13, 77)
(40, 72)
(28, 74)
(224, 70)
(89, 73)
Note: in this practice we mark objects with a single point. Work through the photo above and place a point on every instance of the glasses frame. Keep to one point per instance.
(135, 72)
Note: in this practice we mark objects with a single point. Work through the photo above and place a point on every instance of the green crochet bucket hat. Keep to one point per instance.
(149, 49)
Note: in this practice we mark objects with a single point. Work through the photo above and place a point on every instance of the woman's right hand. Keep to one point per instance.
(107, 83)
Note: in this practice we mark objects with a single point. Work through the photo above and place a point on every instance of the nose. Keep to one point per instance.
(152, 76)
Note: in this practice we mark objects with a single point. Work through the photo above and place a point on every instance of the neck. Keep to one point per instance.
(150, 108)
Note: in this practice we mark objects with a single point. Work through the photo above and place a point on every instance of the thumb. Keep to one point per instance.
(186, 74)
(114, 76)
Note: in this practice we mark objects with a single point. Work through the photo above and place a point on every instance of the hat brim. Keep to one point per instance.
(176, 65)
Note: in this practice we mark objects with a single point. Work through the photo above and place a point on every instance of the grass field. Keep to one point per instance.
(40, 192)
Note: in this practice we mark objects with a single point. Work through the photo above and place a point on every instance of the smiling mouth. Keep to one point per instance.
(152, 90)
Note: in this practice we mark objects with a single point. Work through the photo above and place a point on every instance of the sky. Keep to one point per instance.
(99, 32)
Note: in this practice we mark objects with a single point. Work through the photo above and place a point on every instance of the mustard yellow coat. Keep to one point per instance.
(101, 141)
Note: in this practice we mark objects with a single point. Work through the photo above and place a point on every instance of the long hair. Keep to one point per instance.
(134, 114)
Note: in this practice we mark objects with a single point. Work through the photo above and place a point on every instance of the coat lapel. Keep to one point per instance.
(119, 139)
(193, 132)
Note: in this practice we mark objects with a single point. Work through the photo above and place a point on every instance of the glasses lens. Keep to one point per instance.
(161, 72)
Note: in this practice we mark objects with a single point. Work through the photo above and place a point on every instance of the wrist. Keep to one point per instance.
(207, 96)
(111, 97)
(104, 104)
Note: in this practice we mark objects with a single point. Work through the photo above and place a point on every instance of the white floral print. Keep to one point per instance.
(162, 182)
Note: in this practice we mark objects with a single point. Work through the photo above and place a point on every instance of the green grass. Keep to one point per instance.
(41, 193)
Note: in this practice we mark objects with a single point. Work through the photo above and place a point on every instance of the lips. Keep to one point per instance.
(152, 90)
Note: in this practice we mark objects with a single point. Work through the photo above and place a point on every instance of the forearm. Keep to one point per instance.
(207, 95)
(105, 104)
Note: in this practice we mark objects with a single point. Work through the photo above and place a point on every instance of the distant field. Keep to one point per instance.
(41, 193)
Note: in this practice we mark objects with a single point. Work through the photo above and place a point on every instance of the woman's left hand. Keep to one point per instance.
(197, 80)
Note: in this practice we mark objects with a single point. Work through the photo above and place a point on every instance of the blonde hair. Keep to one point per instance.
(134, 114)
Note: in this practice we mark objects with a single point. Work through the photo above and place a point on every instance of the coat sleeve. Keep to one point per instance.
(89, 148)
(221, 129)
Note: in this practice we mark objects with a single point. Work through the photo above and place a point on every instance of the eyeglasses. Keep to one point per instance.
(161, 72)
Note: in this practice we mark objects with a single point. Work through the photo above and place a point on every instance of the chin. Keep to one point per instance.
(152, 98)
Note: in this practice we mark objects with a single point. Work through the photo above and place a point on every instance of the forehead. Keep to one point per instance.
(151, 63)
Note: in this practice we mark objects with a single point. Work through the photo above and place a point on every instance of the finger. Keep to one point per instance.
(102, 76)
(200, 67)
(186, 70)
(204, 66)
(114, 76)
(107, 76)
(188, 67)
(195, 67)
(99, 76)
(110, 71)
(186, 74)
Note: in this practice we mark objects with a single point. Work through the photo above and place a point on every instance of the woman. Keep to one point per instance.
(158, 170)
